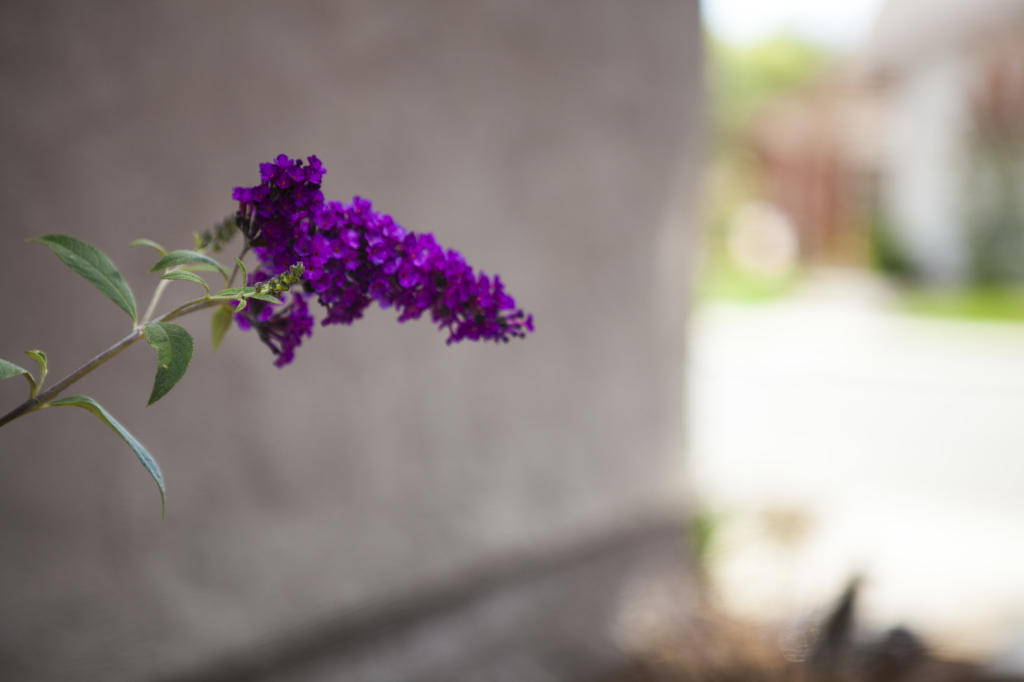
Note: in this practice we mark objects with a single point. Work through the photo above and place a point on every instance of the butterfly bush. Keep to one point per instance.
(353, 256)
(346, 256)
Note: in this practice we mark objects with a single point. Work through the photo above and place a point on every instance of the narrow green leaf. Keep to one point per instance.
(40, 358)
(173, 355)
(245, 272)
(185, 258)
(237, 293)
(9, 369)
(232, 294)
(147, 460)
(241, 305)
(91, 263)
(150, 243)
(219, 324)
(201, 267)
(187, 276)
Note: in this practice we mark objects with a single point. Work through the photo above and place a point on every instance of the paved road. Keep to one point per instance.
(841, 437)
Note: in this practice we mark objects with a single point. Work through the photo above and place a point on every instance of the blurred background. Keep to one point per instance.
(856, 359)
(768, 426)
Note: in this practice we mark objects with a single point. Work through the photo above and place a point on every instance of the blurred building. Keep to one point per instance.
(952, 181)
(912, 150)
(386, 508)
(819, 152)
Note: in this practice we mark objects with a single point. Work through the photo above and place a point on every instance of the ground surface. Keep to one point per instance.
(832, 436)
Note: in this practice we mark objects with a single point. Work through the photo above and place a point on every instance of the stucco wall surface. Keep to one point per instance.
(554, 143)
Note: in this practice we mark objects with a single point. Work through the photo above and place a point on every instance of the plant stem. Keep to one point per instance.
(190, 307)
(33, 404)
(163, 285)
(40, 401)
(156, 297)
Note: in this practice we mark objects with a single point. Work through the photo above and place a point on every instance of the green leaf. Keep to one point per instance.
(9, 369)
(147, 460)
(237, 294)
(91, 263)
(249, 291)
(150, 243)
(245, 272)
(202, 267)
(185, 258)
(187, 276)
(220, 323)
(233, 294)
(40, 358)
(173, 355)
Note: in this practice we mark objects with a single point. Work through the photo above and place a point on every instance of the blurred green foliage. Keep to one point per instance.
(742, 80)
(997, 304)
(995, 210)
(885, 249)
(705, 528)
(722, 280)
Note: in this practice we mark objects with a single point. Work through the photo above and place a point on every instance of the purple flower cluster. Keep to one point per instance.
(353, 256)
(282, 329)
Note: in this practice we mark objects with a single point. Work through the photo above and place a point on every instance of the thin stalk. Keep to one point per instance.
(156, 298)
(40, 400)
(161, 285)
(190, 307)
(33, 404)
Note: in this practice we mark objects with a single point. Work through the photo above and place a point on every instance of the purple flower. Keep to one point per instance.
(281, 328)
(353, 256)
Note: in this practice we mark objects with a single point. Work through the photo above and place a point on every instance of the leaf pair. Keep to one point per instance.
(174, 345)
(221, 321)
(93, 265)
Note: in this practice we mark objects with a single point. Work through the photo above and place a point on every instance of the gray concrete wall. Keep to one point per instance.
(554, 143)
